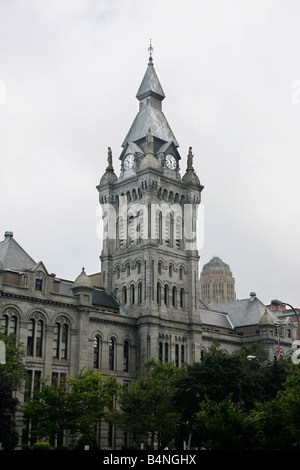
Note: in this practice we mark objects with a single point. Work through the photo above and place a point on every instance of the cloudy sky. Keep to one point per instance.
(69, 73)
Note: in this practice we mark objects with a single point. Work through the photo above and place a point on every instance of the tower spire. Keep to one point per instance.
(150, 50)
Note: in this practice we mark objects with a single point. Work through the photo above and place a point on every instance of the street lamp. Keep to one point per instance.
(279, 302)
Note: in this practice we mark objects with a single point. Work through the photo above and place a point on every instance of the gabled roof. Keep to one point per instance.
(244, 312)
(13, 256)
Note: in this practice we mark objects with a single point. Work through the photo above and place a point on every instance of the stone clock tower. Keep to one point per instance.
(149, 260)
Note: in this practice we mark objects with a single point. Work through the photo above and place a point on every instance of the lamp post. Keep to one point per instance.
(279, 302)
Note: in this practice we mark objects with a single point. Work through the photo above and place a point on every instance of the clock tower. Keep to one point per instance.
(149, 258)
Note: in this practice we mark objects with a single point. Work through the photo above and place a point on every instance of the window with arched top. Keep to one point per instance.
(158, 293)
(140, 293)
(124, 295)
(132, 294)
(35, 331)
(174, 296)
(126, 356)
(182, 297)
(60, 340)
(111, 354)
(8, 323)
(97, 352)
(166, 295)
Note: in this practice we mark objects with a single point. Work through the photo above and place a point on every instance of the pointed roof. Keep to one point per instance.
(150, 115)
(13, 256)
(150, 84)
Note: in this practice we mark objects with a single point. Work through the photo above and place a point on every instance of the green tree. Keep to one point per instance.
(75, 405)
(226, 426)
(147, 405)
(12, 374)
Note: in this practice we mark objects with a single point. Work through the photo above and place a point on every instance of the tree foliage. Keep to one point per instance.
(75, 405)
(12, 374)
(146, 407)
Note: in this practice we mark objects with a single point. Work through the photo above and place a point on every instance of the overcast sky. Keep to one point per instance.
(69, 73)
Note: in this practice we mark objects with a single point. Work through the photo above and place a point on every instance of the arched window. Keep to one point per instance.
(60, 340)
(170, 270)
(124, 295)
(158, 293)
(111, 355)
(159, 267)
(166, 352)
(8, 324)
(126, 356)
(138, 267)
(132, 294)
(174, 297)
(166, 295)
(160, 351)
(176, 355)
(35, 338)
(97, 352)
(128, 270)
(182, 297)
(182, 354)
(139, 292)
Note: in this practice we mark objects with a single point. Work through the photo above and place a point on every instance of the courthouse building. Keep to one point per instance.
(147, 302)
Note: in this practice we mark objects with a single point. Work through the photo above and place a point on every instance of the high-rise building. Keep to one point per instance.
(216, 282)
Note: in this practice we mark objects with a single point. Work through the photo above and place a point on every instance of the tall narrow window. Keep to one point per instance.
(35, 338)
(166, 295)
(132, 294)
(111, 356)
(97, 352)
(56, 340)
(176, 355)
(182, 297)
(174, 297)
(139, 292)
(182, 354)
(39, 338)
(60, 341)
(124, 294)
(160, 351)
(158, 293)
(126, 356)
(64, 341)
(166, 352)
(30, 338)
(8, 324)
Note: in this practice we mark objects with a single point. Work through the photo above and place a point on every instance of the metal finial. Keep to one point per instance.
(150, 50)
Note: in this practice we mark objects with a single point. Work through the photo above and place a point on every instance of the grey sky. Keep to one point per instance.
(71, 70)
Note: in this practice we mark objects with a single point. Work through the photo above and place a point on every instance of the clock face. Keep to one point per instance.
(171, 162)
(128, 161)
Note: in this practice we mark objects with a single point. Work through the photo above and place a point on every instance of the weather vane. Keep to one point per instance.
(150, 50)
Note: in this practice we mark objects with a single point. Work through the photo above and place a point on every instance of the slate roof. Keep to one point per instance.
(13, 257)
(150, 84)
(150, 117)
(217, 319)
(244, 312)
